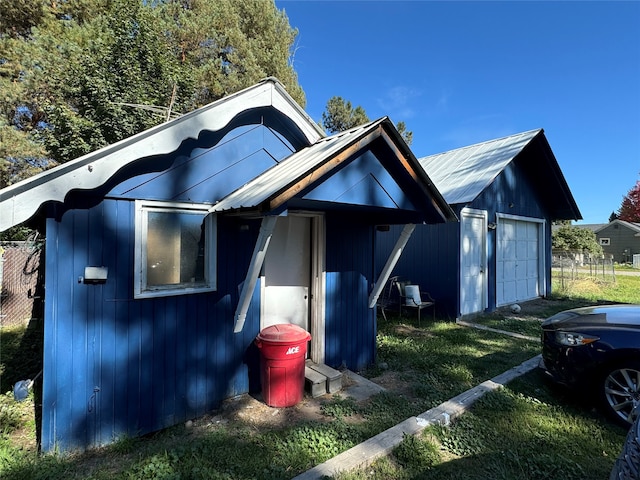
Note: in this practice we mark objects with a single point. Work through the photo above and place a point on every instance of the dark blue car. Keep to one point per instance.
(597, 349)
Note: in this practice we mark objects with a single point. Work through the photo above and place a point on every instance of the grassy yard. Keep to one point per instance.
(528, 430)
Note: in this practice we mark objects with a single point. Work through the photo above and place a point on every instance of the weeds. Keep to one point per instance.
(525, 430)
(11, 414)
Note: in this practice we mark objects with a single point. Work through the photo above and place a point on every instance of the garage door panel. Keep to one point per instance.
(522, 250)
(509, 270)
(532, 269)
(517, 261)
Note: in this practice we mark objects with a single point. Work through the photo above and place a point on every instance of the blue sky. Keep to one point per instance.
(459, 73)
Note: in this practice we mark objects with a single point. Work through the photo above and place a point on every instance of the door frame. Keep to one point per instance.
(318, 287)
(317, 283)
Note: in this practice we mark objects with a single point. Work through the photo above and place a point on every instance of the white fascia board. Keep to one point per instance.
(20, 201)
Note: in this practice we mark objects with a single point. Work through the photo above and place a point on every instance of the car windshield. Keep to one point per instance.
(623, 316)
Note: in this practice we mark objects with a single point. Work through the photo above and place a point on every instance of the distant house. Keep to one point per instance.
(618, 238)
(168, 252)
(506, 193)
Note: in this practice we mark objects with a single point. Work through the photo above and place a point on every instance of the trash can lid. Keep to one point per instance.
(284, 332)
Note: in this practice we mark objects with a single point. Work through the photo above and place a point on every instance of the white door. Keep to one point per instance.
(286, 275)
(517, 261)
(473, 276)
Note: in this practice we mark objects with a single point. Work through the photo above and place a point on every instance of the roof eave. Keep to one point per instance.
(20, 201)
(380, 129)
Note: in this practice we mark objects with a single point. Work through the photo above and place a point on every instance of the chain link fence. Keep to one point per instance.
(20, 282)
(568, 265)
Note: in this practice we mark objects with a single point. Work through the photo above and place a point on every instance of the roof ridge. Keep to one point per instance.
(479, 144)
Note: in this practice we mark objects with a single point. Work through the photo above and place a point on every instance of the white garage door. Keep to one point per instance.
(518, 258)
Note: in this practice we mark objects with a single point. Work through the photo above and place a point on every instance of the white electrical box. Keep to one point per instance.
(95, 274)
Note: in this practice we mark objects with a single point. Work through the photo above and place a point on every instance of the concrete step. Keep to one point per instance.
(321, 379)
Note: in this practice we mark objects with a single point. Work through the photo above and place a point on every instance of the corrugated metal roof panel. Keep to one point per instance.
(307, 168)
(462, 174)
(292, 169)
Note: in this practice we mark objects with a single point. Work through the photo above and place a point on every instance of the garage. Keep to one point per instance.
(519, 260)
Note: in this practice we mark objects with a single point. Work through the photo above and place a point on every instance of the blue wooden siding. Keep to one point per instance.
(432, 256)
(364, 181)
(510, 193)
(430, 259)
(206, 174)
(350, 329)
(116, 366)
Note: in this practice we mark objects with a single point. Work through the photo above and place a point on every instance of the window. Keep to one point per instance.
(605, 242)
(174, 249)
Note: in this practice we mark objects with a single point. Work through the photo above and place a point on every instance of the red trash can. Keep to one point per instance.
(283, 351)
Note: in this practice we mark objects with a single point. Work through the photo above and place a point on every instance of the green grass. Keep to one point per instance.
(580, 292)
(526, 430)
(424, 358)
(523, 431)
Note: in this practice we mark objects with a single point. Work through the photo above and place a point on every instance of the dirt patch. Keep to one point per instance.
(531, 308)
(410, 330)
(253, 411)
(392, 381)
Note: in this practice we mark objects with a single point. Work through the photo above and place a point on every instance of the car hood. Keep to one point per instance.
(605, 315)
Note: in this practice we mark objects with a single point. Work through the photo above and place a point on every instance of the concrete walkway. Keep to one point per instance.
(382, 444)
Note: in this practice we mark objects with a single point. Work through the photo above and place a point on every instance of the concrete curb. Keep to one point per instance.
(495, 330)
(382, 444)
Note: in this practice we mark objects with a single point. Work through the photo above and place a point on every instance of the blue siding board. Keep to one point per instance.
(172, 338)
(128, 404)
(430, 259)
(207, 174)
(157, 362)
(197, 393)
(512, 193)
(83, 333)
(364, 181)
(187, 355)
(350, 325)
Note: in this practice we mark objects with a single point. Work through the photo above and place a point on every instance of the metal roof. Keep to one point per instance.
(21, 201)
(289, 171)
(462, 174)
(305, 168)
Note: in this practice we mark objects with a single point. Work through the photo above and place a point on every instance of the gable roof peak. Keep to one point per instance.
(20, 201)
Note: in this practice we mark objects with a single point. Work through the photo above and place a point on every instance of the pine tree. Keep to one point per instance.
(81, 74)
(340, 115)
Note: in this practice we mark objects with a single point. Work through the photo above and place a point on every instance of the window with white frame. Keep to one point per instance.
(175, 249)
(605, 241)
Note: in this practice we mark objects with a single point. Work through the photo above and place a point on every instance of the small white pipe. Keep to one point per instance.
(394, 256)
(259, 252)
